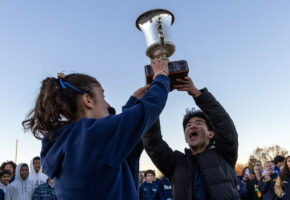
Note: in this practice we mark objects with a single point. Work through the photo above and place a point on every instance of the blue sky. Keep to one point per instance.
(239, 50)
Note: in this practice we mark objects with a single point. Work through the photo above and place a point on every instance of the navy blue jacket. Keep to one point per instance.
(267, 187)
(165, 188)
(96, 158)
(286, 187)
(243, 189)
(2, 194)
(150, 191)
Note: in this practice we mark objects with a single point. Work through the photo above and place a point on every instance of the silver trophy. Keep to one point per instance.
(156, 24)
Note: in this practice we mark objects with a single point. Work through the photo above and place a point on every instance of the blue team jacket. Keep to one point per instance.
(150, 191)
(94, 158)
(267, 187)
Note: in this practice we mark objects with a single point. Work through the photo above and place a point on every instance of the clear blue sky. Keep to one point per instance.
(239, 50)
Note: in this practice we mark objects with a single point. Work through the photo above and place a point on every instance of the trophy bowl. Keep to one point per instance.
(156, 27)
(155, 24)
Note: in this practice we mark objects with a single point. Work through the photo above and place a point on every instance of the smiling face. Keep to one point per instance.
(24, 171)
(257, 170)
(5, 179)
(9, 168)
(197, 135)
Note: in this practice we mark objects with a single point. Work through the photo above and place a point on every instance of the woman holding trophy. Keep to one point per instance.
(88, 152)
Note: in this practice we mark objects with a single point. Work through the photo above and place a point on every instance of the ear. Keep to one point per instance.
(87, 101)
(211, 134)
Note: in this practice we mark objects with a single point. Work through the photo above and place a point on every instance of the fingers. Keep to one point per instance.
(185, 80)
(146, 87)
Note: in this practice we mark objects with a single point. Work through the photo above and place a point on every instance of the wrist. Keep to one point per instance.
(163, 72)
(195, 93)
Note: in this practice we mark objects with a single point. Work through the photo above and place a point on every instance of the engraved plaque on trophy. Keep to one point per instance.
(156, 24)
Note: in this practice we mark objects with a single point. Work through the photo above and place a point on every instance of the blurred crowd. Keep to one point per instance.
(263, 182)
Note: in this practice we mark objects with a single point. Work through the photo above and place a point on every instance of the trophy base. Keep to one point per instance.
(177, 69)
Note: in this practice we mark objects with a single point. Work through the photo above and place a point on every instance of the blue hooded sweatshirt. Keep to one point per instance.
(95, 158)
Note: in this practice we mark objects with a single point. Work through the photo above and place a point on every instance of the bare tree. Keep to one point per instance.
(252, 161)
(266, 154)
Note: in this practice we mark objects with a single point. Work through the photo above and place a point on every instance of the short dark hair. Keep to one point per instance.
(4, 172)
(35, 158)
(196, 113)
(150, 171)
(279, 158)
(24, 165)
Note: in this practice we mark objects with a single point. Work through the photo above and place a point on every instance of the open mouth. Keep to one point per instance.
(193, 135)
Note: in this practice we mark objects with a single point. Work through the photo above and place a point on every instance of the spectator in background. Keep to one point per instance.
(251, 175)
(267, 182)
(149, 190)
(278, 161)
(22, 188)
(253, 184)
(242, 189)
(140, 178)
(165, 188)
(9, 166)
(5, 177)
(36, 175)
(155, 179)
(245, 175)
(282, 186)
(44, 191)
(258, 162)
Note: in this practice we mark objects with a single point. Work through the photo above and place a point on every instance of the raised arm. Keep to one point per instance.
(226, 137)
(137, 119)
(158, 150)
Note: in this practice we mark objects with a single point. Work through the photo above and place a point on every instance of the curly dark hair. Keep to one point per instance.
(56, 106)
(285, 173)
(3, 165)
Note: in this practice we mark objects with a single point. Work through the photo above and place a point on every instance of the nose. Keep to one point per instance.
(193, 126)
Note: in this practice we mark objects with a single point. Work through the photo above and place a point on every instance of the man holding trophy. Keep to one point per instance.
(206, 169)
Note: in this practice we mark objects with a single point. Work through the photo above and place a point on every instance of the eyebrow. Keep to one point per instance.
(197, 121)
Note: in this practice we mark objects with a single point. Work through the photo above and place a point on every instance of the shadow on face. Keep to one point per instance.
(24, 171)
